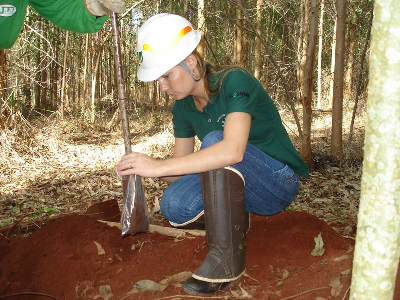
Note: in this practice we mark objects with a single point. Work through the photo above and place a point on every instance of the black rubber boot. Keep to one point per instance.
(225, 217)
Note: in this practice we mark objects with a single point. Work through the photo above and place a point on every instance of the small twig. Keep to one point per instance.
(298, 270)
(346, 293)
(309, 291)
(5, 287)
(29, 293)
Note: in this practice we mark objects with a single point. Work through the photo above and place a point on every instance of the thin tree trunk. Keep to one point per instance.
(64, 75)
(201, 25)
(257, 53)
(245, 46)
(38, 77)
(320, 34)
(94, 82)
(332, 63)
(351, 47)
(303, 47)
(2, 86)
(54, 75)
(85, 67)
(337, 100)
(376, 256)
(308, 83)
(186, 9)
(238, 43)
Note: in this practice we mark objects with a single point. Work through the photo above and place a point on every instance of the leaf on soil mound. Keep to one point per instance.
(336, 287)
(149, 285)
(146, 285)
(104, 292)
(245, 295)
(319, 246)
(346, 272)
(343, 257)
(100, 250)
(285, 274)
(240, 295)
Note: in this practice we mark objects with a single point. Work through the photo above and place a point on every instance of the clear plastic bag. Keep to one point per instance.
(135, 216)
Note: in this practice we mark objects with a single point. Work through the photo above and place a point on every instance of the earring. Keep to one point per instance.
(193, 77)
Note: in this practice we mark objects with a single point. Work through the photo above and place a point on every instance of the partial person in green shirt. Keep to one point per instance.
(86, 16)
(246, 162)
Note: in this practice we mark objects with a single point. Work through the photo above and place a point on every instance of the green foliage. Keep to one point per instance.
(46, 210)
(5, 222)
(11, 101)
(140, 113)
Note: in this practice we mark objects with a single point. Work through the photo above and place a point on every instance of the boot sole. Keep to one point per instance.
(224, 286)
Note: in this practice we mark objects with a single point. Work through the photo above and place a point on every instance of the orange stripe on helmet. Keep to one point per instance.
(171, 45)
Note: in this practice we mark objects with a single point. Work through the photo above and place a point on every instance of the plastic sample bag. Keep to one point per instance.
(135, 217)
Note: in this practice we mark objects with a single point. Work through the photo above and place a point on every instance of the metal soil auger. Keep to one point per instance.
(134, 212)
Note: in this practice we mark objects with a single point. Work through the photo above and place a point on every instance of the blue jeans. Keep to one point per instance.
(270, 186)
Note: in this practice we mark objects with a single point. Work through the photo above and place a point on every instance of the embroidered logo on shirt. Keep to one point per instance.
(7, 10)
(234, 95)
(221, 119)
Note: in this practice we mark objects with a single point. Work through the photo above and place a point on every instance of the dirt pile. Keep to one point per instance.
(76, 257)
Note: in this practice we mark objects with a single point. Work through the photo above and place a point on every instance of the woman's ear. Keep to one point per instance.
(191, 61)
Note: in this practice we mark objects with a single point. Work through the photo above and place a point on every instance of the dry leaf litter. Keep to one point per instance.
(63, 166)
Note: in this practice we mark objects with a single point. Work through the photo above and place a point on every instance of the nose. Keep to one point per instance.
(163, 85)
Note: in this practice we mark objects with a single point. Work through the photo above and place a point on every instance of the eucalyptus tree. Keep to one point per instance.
(376, 256)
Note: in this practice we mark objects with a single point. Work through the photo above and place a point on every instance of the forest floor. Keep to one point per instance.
(57, 169)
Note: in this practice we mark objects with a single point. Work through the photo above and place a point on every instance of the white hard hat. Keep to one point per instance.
(164, 41)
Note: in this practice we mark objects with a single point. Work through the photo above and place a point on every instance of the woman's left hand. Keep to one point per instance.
(139, 164)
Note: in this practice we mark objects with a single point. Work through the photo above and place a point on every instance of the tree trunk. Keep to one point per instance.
(337, 100)
(38, 77)
(94, 82)
(245, 46)
(201, 25)
(85, 67)
(377, 246)
(2, 86)
(320, 34)
(332, 63)
(45, 73)
(302, 48)
(54, 74)
(257, 53)
(238, 41)
(351, 47)
(186, 9)
(308, 83)
(64, 75)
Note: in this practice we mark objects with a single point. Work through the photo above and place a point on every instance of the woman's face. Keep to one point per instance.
(177, 83)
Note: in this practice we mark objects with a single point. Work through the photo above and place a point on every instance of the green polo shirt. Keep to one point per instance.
(240, 92)
(67, 14)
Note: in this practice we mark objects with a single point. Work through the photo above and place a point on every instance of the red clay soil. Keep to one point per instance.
(62, 261)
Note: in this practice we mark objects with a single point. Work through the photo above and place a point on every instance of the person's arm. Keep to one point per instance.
(182, 147)
(227, 152)
(85, 16)
(12, 18)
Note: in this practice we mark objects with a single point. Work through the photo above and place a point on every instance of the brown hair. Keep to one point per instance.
(216, 71)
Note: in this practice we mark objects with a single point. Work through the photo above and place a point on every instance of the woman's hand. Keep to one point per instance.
(139, 164)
